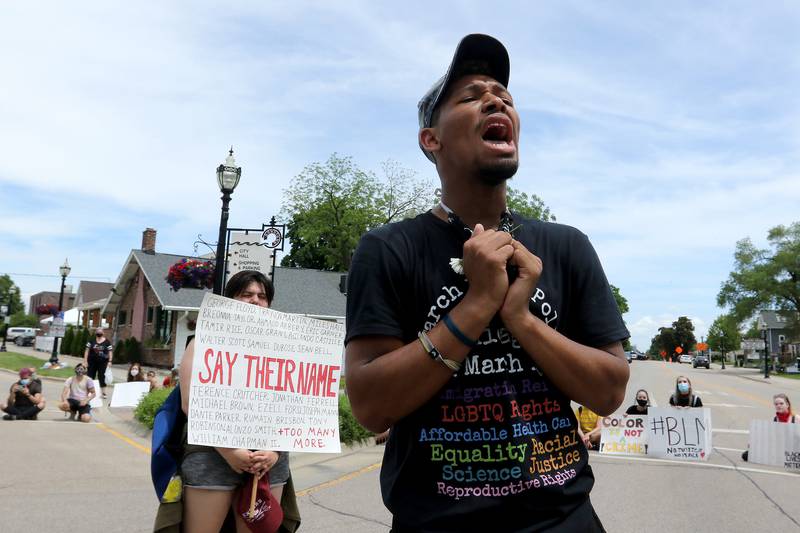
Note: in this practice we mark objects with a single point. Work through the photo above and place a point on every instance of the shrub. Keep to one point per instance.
(66, 342)
(133, 350)
(120, 355)
(145, 412)
(350, 431)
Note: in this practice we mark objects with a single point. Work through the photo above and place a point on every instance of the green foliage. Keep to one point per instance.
(120, 355)
(723, 335)
(766, 278)
(350, 431)
(10, 296)
(69, 335)
(528, 206)
(133, 350)
(330, 205)
(20, 319)
(622, 305)
(668, 339)
(145, 411)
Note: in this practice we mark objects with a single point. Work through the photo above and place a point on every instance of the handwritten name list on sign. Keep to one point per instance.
(264, 380)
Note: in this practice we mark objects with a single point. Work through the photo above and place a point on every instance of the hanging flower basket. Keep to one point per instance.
(191, 274)
(47, 309)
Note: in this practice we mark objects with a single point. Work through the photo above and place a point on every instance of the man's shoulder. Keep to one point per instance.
(398, 236)
(548, 229)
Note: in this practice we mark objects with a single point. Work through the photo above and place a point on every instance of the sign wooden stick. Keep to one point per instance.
(252, 512)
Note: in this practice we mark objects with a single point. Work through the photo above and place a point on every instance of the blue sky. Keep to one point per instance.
(665, 131)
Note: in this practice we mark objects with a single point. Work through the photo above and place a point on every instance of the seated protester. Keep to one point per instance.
(135, 372)
(783, 414)
(641, 405)
(78, 392)
(171, 380)
(151, 377)
(24, 399)
(588, 426)
(683, 396)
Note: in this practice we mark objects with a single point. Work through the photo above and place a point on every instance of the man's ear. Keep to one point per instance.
(429, 140)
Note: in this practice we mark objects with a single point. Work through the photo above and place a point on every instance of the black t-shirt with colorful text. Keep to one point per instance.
(497, 448)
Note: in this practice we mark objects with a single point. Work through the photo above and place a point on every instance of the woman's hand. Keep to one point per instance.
(239, 459)
(263, 461)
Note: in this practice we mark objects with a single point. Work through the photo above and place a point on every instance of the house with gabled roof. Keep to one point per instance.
(90, 300)
(781, 342)
(144, 306)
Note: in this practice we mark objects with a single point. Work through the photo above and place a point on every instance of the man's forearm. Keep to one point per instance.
(391, 385)
(593, 377)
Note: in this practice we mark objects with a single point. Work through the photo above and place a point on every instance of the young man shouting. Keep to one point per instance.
(470, 329)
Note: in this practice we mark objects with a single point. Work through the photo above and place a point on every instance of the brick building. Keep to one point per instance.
(50, 297)
(90, 300)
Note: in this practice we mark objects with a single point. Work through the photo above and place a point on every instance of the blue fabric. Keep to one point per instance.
(166, 444)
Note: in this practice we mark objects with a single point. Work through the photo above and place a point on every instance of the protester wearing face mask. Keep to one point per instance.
(24, 399)
(641, 405)
(683, 396)
(78, 392)
(135, 373)
(97, 357)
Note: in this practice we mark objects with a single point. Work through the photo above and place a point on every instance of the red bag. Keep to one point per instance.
(268, 514)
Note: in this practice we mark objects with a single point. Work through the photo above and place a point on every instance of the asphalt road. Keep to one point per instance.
(59, 475)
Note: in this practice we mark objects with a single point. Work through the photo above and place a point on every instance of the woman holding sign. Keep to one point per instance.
(683, 396)
(641, 405)
(212, 475)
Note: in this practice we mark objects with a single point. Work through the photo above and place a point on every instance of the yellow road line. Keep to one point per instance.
(123, 438)
(338, 480)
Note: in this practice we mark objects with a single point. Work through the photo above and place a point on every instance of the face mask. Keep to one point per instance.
(134, 371)
(80, 371)
(642, 403)
(24, 382)
(683, 388)
(98, 335)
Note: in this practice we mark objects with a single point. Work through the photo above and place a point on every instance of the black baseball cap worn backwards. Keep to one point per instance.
(476, 53)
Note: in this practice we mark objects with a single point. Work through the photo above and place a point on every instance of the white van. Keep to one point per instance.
(13, 333)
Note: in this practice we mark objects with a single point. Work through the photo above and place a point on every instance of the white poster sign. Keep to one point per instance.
(248, 252)
(129, 394)
(623, 435)
(679, 433)
(775, 443)
(264, 380)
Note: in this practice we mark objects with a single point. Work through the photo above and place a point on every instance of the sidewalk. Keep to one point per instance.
(310, 471)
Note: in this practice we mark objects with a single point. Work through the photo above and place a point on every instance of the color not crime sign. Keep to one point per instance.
(262, 379)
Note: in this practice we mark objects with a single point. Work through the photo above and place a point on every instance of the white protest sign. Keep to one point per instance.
(129, 394)
(679, 433)
(775, 443)
(623, 435)
(264, 380)
(97, 401)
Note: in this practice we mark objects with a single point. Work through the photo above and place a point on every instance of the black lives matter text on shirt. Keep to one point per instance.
(498, 444)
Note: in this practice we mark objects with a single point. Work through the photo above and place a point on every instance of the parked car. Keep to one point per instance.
(701, 360)
(629, 356)
(641, 356)
(25, 339)
(685, 358)
(13, 333)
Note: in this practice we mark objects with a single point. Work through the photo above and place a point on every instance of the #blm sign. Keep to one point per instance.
(678, 433)
(623, 435)
(774, 443)
(264, 380)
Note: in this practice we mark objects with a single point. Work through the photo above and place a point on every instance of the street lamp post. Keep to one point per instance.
(722, 347)
(228, 175)
(64, 271)
(3, 314)
(764, 332)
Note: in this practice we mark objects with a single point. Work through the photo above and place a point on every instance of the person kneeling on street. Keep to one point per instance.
(78, 392)
(25, 398)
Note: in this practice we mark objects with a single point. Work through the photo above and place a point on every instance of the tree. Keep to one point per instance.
(10, 295)
(528, 206)
(766, 278)
(669, 338)
(330, 205)
(622, 305)
(22, 320)
(723, 335)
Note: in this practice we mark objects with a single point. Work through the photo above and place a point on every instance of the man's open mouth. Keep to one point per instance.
(498, 131)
